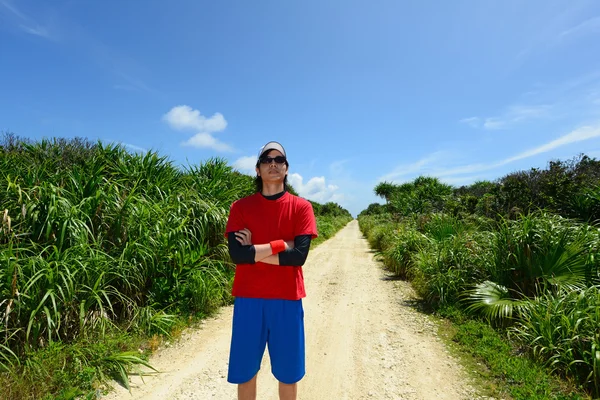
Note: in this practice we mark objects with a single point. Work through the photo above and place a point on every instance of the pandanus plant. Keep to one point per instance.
(535, 254)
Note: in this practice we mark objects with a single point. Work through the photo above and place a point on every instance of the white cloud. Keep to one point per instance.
(514, 114)
(206, 140)
(586, 27)
(463, 169)
(184, 117)
(133, 83)
(461, 180)
(574, 99)
(12, 9)
(578, 135)
(520, 113)
(26, 23)
(494, 123)
(471, 121)
(433, 165)
(135, 148)
(420, 166)
(246, 165)
(37, 30)
(316, 189)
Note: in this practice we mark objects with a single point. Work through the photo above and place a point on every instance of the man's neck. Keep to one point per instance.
(270, 190)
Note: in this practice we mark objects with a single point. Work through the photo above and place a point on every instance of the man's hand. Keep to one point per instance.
(244, 237)
(262, 252)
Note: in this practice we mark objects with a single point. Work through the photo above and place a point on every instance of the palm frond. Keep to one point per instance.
(493, 301)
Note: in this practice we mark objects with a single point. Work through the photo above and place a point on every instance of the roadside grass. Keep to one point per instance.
(527, 287)
(75, 370)
(82, 368)
(103, 255)
(496, 363)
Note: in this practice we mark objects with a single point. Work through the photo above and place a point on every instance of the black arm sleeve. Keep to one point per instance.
(297, 256)
(240, 254)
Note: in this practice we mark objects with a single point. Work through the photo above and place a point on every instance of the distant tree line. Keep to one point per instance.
(568, 188)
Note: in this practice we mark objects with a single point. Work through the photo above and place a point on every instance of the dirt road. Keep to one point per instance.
(363, 341)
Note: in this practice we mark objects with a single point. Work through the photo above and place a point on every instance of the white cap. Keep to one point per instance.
(271, 146)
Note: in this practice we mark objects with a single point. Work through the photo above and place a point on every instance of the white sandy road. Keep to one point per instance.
(362, 341)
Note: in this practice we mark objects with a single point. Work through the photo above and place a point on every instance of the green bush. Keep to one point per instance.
(543, 251)
(586, 204)
(374, 209)
(510, 251)
(519, 377)
(559, 188)
(444, 269)
(398, 257)
(98, 242)
(441, 226)
(561, 330)
(208, 288)
(423, 195)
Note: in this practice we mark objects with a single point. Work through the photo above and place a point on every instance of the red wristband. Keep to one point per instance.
(277, 246)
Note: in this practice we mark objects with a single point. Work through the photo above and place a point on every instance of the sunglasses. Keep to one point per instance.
(268, 160)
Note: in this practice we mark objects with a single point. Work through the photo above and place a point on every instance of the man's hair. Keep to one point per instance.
(259, 183)
(258, 180)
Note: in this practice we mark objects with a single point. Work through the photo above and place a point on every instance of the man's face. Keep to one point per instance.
(270, 170)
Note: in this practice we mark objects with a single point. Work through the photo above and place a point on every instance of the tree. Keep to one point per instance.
(385, 190)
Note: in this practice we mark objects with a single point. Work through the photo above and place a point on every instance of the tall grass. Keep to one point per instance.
(521, 252)
(86, 250)
(563, 332)
(97, 243)
(537, 274)
(444, 270)
(398, 257)
(535, 254)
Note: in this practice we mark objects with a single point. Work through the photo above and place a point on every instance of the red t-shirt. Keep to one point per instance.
(268, 220)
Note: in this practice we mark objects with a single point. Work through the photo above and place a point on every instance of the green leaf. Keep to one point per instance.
(492, 300)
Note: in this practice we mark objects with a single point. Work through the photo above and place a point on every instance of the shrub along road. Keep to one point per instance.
(364, 341)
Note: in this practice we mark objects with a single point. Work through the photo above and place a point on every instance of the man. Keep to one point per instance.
(269, 236)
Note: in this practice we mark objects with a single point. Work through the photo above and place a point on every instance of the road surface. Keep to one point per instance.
(363, 341)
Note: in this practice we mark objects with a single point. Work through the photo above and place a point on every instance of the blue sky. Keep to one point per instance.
(357, 91)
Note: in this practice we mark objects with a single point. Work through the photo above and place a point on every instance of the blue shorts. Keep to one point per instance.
(258, 322)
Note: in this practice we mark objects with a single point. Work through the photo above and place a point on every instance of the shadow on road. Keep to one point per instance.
(391, 278)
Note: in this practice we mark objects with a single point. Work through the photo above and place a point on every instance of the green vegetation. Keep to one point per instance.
(331, 217)
(516, 259)
(505, 374)
(103, 253)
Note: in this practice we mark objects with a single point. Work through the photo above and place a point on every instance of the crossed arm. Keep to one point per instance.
(242, 251)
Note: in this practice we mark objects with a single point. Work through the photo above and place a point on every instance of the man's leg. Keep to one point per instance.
(288, 392)
(248, 340)
(286, 345)
(247, 390)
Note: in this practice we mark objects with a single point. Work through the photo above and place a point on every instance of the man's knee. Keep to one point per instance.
(247, 390)
(288, 391)
(250, 382)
